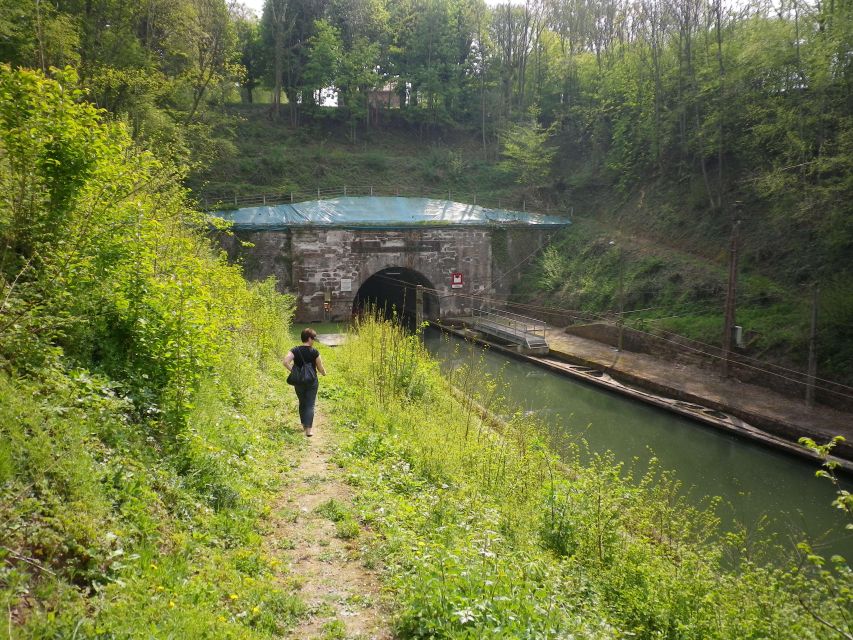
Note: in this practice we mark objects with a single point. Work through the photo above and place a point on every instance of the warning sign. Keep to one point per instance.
(456, 280)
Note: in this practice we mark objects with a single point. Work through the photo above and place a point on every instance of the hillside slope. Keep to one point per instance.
(673, 253)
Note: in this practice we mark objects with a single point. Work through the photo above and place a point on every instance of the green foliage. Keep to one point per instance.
(106, 259)
(140, 393)
(525, 153)
(325, 53)
(485, 533)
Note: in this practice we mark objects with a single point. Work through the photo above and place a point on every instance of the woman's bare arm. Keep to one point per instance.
(288, 360)
(320, 366)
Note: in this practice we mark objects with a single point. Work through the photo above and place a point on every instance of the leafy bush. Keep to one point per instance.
(140, 391)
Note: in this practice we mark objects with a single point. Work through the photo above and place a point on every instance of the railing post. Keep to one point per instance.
(524, 205)
(475, 199)
(291, 197)
(345, 191)
(318, 193)
(371, 190)
(265, 198)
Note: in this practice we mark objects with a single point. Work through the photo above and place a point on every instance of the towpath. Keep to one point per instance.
(343, 596)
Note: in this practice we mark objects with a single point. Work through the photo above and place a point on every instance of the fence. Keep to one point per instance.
(221, 201)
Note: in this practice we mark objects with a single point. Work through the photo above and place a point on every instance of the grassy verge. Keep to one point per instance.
(485, 533)
(273, 157)
(110, 529)
(666, 290)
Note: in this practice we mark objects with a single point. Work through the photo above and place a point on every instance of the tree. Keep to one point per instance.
(276, 28)
(526, 153)
(250, 46)
(324, 59)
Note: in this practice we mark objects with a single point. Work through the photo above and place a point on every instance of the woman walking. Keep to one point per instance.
(306, 356)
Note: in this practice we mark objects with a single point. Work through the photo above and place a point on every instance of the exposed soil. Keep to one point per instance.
(341, 593)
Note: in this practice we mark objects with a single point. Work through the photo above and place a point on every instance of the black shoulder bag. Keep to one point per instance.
(302, 373)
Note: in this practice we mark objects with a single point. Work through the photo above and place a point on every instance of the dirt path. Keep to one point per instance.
(343, 596)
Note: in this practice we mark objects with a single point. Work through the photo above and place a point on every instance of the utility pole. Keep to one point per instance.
(621, 298)
(728, 329)
(419, 307)
(810, 382)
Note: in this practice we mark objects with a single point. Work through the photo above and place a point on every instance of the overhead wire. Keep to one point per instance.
(717, 356)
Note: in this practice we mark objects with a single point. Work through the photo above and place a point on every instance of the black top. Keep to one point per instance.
(304, 355)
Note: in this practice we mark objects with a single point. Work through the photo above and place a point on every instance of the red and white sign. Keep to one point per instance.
(456, 280)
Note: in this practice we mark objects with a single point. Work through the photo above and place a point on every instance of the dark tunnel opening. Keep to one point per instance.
(392, 293)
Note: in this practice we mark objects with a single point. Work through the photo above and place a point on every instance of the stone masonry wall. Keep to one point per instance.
(269, 254)
(324, 257)
(309, 260)
(514, 251)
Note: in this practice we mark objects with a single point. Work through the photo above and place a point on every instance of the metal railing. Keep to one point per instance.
(211, 201)
(523, 327)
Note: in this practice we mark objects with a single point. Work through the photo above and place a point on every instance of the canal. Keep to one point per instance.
(756, 484)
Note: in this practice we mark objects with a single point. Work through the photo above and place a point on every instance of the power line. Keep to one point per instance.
(407, 284)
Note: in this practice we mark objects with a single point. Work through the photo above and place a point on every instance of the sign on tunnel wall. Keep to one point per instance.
(456, 280)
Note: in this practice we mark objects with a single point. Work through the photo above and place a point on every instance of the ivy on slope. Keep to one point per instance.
(483, 532)
(141, 436)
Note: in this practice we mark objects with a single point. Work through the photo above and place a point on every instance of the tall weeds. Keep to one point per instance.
(488, 533)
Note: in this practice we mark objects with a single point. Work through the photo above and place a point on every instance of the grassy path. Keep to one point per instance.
(343, 596)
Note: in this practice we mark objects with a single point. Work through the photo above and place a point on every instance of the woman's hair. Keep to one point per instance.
(308, 332)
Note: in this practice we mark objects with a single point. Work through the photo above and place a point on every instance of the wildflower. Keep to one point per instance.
(256, 609)
(171, 604)
(233, 596)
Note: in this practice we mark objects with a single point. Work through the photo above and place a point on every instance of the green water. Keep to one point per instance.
(755, 483)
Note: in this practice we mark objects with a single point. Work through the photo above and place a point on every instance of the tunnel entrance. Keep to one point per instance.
(391, 292)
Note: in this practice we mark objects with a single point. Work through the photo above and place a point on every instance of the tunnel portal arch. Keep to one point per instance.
(393, 290)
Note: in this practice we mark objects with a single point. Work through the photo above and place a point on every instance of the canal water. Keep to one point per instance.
(756, 484)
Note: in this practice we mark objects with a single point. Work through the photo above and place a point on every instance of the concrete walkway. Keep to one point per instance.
(768, 410)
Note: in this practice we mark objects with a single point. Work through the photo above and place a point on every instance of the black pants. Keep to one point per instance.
(307, 394)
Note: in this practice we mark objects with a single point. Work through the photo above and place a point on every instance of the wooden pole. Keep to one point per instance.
(419, 307)
(812, 352)
(621, 298)
(729, 323)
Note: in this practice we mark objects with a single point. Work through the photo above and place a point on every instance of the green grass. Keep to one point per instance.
(665, 289)
(127, 536)
(484, 533)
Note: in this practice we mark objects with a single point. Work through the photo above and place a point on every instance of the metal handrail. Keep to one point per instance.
(517, 322)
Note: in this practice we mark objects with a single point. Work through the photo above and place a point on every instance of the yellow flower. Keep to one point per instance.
(159, 587)
(233, 596)
(171, 604)
(256, 609)
(153, 566)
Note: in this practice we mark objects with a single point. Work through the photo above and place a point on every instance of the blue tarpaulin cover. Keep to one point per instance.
(381, 211)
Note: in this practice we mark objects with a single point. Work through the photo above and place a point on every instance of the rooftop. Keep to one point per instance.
(381, 211)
